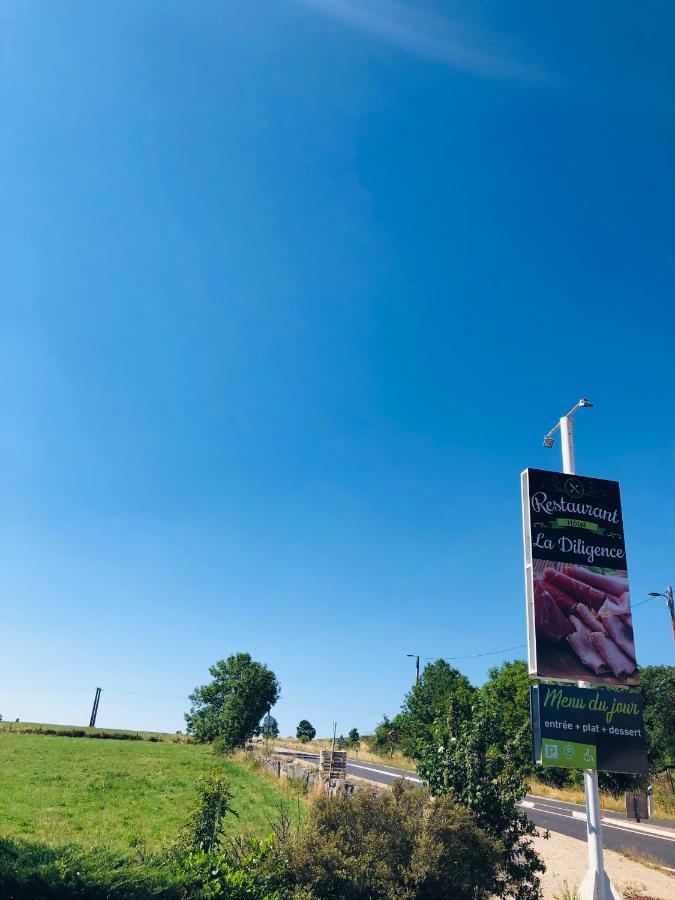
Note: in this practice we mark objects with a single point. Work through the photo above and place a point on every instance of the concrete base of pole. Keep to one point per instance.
(597, 886)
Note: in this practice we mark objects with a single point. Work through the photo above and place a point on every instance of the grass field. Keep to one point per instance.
(42, 727)
(117, 794)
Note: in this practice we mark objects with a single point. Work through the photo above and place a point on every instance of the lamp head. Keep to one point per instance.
(585, 402)
(655, 594)
(548, 442)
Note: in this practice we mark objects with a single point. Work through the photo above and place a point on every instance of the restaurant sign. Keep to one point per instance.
(579, 618)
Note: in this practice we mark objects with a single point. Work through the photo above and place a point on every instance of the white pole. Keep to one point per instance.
(596, 885)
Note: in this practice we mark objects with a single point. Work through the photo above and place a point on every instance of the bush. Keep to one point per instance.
(395, 845)
(249, 875)
(203, 830)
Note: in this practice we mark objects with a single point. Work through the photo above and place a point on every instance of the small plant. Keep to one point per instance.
(567, 893)
(203, 830)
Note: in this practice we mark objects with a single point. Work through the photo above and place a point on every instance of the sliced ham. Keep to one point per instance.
(584, 649)
(579, 626)
(564, 601)
(615, 658)
(620, 633)
(550, 623)
(578, 590)
(616, 606)
(608, 584)
(588, 617)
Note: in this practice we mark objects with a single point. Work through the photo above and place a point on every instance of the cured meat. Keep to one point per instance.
(589, 656)
(564, 601)
(608, 584)
(615, 658)
(579, 626)
(621, 634)
(616, 606)
(578, 590)
(588, 617)
(549, 622)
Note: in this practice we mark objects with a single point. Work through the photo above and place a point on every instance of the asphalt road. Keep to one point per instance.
(555, 815)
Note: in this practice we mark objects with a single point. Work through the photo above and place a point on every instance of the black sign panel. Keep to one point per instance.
(579, 620)
(575, 519)
(610, 721)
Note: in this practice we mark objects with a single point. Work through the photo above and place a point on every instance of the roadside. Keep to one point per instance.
(566, 862)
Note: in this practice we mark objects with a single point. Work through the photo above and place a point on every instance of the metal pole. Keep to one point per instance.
(417, 663)
(596, 885)
(671, 606)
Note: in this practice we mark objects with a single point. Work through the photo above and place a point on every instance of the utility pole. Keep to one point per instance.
(669, 602)
(94, 709)
(596, 884)
(417, 666)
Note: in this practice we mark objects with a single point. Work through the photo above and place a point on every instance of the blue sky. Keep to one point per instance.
(291, 292)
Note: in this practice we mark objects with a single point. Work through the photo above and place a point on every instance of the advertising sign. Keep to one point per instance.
(588, 728)
(579, 621)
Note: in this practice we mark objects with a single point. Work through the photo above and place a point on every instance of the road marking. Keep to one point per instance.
(384, 772)
(606, 823)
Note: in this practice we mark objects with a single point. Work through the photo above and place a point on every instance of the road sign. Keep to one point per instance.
(393, 736)
(567, 721)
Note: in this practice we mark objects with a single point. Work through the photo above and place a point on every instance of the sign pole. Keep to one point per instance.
(596, 885)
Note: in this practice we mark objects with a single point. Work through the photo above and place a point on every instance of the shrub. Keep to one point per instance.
(393, 845)
(203, 830)
(251, 875)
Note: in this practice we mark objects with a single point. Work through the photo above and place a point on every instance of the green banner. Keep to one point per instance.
(576, 523)
(567, 754)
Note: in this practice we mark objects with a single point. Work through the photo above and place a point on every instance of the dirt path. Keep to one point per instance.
(566, 860)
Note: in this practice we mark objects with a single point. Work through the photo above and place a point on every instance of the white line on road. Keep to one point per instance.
(384, 772)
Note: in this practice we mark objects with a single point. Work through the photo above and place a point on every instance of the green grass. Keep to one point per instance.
(28, 727)
(117, 795)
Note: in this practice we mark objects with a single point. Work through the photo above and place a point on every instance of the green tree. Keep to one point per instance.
(305, 731)
(657, 685)
(353, 738)
(379, 741)
(466, 761)
(441, 693)
(230, 707)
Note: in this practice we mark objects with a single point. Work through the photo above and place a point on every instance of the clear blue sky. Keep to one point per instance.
(290, 293)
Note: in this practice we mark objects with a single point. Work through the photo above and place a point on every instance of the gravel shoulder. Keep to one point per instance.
(566, 860)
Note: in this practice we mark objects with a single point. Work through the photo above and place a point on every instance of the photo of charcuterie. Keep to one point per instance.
(583, 624)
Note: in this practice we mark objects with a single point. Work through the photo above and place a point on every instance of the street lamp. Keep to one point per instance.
(566, 427)
(417, 666)
(669, 602)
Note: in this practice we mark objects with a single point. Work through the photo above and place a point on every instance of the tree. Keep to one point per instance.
(305, 731)
(230, 707)
(441, 692)
(463, 761)
(379, 742)
(657, 685)
(354, 738)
